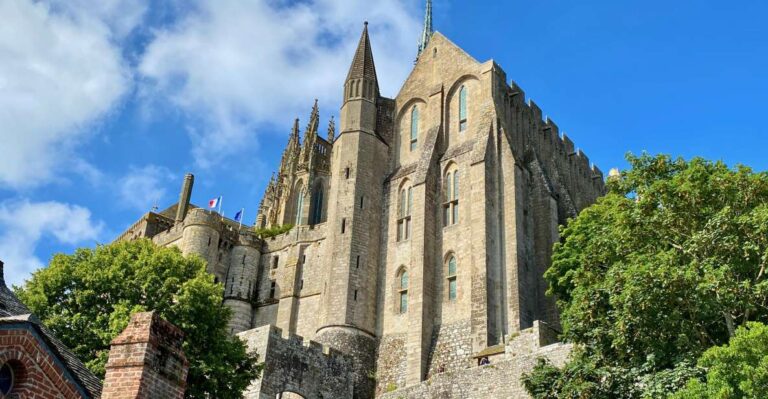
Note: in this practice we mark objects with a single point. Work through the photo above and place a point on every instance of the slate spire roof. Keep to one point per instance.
(362, 65)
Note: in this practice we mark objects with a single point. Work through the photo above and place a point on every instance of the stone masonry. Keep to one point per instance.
(421, 226)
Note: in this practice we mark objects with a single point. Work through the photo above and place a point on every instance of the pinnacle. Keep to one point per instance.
(362, 65)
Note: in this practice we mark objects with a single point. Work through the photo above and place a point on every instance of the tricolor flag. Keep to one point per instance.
(214, 203)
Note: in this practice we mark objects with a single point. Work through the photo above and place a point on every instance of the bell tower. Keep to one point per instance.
(358, 164)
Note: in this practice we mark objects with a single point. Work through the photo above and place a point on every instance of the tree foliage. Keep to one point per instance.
(269, 232)
(662, 268)
(87, 299)
(734, 371)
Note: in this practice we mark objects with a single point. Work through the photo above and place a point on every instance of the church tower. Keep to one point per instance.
(358, 162)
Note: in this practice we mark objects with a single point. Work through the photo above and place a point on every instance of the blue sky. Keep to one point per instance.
(104, 105)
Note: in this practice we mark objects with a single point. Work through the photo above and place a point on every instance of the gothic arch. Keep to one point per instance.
(400, 289)
(403, 129)
(292, 213)
(470, 83)
(318, 202)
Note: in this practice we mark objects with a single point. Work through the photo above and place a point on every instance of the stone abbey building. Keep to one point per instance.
(422, 225)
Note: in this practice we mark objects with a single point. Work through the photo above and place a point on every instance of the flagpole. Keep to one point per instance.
(242, 214)
(221, 200)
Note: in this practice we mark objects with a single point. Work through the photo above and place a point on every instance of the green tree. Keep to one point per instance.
(734, 371)
(87, 299)
(663, 267)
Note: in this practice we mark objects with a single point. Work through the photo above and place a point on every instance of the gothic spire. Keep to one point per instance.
(314, 121)
(362, 66)
(331, 130)
(428, 31)
(295, 131)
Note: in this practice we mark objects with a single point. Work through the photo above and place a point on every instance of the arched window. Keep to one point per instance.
(463, 108)
(405, 206)
(299, 206)
(402, 291)
(316, 214)
(414, 127)
(451, 201)
(451, 277)
(6, 380)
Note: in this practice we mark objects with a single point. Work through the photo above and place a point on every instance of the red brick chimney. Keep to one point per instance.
(146, 361)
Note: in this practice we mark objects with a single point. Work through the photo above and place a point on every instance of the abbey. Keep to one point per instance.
(422, 226)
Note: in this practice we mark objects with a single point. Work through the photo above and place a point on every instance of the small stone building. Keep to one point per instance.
(145, 361)
(33, 362)
(422, 225)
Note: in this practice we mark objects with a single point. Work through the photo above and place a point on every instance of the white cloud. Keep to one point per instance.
(144, 187)
(59, 72)
(24, 224)
(119, 16)
(235, 65)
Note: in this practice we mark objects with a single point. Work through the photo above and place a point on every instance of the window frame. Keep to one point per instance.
(405, 208)
(452, 278)
(451, 187)
(463, 109)
(415, 115)
(403, 283)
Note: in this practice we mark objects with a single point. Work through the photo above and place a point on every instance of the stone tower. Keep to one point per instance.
(359, 156)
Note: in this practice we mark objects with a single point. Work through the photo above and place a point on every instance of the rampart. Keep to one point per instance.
(537, 138)
(297, 365)
(501, 378)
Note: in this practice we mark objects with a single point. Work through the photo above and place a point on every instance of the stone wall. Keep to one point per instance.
(390, 363)
(451, 347)
(299, 366)
(500, 379)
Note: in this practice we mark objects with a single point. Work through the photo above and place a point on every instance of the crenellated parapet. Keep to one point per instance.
(535, 135)
(295, 364)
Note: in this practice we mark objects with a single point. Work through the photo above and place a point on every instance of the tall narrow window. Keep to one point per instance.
(272, 287)
(462, 108)
(414, 127)
(299, 207)
(452, 278)
(451, 202)
(275, 261)
(343, 225)
(316, 214)
(404, 214)
(403, 292)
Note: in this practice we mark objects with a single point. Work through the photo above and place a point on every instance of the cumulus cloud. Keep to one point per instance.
(235, 66)
(59, 72)
(144, 187)
(23, 224)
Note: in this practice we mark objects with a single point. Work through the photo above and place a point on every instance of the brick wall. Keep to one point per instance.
(37, 373)
(146, 361)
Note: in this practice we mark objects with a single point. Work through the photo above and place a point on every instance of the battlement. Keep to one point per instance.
(530, 128)
(289, 357)
(297, 341)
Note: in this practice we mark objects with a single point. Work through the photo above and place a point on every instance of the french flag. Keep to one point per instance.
(214, 203)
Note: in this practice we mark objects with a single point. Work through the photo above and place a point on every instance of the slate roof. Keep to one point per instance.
(12, 310)
(362, 64)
